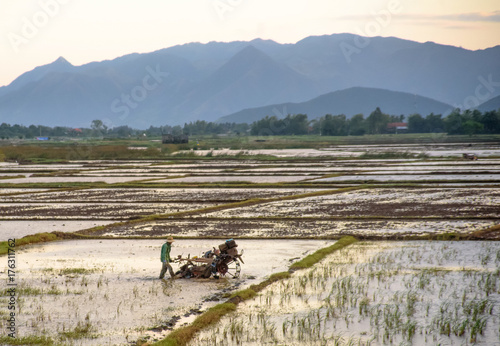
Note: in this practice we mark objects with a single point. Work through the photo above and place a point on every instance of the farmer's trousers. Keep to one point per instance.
(164, 268)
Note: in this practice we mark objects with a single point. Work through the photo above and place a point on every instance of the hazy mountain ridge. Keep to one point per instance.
(491, 104)
(209, 81)
(346, 102)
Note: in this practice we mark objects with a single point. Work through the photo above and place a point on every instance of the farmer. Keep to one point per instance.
(165, 258)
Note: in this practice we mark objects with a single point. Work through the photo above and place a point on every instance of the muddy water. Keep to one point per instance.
(384, 293)
(437, 150)
(422, 202)
(108, 180)
(147, 195)
(297, 229)
(251, 179)
(112, 286)
(18, 229)
(414, 177)
(92, 211)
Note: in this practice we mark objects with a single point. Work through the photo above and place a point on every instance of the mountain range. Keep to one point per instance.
(225, 80)
(347, 101)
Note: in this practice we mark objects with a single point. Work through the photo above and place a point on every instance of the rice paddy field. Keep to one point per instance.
(423, 268)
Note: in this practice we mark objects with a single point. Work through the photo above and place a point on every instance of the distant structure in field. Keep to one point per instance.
(397, 127)
(174, 139)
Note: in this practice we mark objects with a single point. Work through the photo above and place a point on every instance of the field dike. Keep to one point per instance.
(182, 336)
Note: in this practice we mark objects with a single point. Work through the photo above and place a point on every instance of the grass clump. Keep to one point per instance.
(82, 330)
(26, 340)
(246, 294)
(314, 258)
(71, 271)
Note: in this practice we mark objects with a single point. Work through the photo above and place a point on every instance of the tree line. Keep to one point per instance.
(468, 122)
(458, 122)
(99, 129)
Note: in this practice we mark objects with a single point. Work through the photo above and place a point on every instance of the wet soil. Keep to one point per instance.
(113, 286)
(153, 195)
(295, 228)
(94, 211)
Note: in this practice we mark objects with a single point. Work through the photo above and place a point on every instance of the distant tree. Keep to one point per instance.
(434, 123)
(297, 124)
(332, 125)
(96, 124)
(377, 121)
(177, 130)
(98, 127)
(396, 118)
(453, 123)
(267, 126)
(491, 122)
(327, 125)
(417, 124)
(59, 131)
(472, 127)
(340, 125)
(357, 125)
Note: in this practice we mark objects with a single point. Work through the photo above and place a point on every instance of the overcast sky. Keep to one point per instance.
(37, 32)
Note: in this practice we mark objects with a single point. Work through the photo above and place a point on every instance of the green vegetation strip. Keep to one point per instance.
(27, 340)
(182, 336)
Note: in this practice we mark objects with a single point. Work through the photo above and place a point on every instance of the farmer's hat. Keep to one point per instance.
(170, 240)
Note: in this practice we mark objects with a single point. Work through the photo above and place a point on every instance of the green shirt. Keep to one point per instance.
(165, 253)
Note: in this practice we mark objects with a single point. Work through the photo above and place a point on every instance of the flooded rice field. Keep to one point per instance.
(382, 202)
(100, 286)
(294, 228)
(429, 149)
(92, 211)
(384, 293)
(107, 292)
(165, 195)
(20, 228)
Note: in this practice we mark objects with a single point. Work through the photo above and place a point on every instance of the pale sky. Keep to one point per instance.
(37, 32)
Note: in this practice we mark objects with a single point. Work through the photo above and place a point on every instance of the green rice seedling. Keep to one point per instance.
(84, 281)
(489, 283)
(423, 280)
(100, 281)
(81, 330)
(477, 327)
(460, 327)
(485, 259)
(338, 340)
(411, 300)
(408, 329)
(269, 330)
(54, 290)
(236, 330)
(364, 306)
